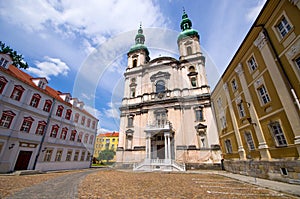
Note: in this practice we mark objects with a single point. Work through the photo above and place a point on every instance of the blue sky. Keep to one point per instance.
(81, 46)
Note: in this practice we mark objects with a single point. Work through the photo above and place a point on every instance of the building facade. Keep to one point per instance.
(105, 141)
(256, 101)
(41, 128)
(166, 118)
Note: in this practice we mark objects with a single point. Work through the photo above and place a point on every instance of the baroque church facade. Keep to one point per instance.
(166, 117)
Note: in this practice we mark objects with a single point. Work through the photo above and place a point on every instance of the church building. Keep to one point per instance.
(166, 117)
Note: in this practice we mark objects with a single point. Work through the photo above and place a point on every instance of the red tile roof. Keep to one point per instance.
(27, 79)
(109, 134)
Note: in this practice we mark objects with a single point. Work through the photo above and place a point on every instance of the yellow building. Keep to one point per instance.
(106, 141)
(256, 101)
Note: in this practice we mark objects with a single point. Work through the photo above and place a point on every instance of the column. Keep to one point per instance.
(169, 147)
(166, 146)
(284, 95)
(262, 144)
(235, 125)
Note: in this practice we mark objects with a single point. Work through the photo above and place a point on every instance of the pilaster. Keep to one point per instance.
(262, 146)
(241, 150)
(283, 91)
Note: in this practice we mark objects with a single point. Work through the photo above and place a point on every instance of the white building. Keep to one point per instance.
(41, 128)
(166, 118)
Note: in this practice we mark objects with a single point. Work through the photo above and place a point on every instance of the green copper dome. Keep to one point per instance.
(139, 42)
(186, 28)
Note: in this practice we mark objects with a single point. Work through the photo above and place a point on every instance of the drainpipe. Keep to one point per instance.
(44, 135)
(280, 64)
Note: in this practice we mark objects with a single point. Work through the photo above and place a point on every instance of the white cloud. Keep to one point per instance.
(253, 12)
(95, 112)
(93, 19)
(49, 67)
(112, 112)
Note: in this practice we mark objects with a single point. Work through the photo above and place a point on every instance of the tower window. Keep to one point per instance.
(132, 92)
(160, 86)
(194, 81)
(189, 50)
(134, 63)
(199, 115)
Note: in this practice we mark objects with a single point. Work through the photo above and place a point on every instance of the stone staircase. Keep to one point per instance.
(158, 165)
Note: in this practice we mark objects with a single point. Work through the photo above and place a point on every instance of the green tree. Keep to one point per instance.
(17, 59)
(107, 155)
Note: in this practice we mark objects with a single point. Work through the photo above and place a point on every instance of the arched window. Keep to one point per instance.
(193, 81)
(134, 63)
(192, 69)
(189, 50)
(160, 86)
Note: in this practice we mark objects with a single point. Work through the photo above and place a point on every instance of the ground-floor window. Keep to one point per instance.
(228, 146)
(48, 155)
(278, 134)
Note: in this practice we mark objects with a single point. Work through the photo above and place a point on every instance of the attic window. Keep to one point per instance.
(41, 84)
(3, 62)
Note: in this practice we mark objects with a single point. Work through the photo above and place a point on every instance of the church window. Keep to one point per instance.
(199, 115)
(161, 119)
(194, 81)
(192, 69)
(134, 63)
(130, 121)
(132, 92)
(160, 86)
(189, 50)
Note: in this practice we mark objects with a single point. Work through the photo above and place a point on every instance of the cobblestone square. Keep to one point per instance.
(96, 183)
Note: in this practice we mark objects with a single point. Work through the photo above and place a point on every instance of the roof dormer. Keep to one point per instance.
(80, 105)
(74, 102)
(40, 82)
(65, 96)
(5, 60)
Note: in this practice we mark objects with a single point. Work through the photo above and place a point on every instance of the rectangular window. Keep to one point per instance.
(94, 125)
(88, 157)
(234, 85)
(3, 82)
(86, 138)
(264, 96)
(88, 124)
(26, 125)
(130, 121)
(76, 155)
(82, 156)
(283, 27)
(73, 135)
(47, 106)
(297, 62)
(59, 110)
(76, 117)
(40, 128)
(219, 102)
(68, 114)
(54, 131)
(252, 64)
(249, 140)
(223, 122)
(17, 93)
(199, 115)
(241, 110)
(3, 62)
(82, 120)
(58, 155)
(228, 146)
(69, 156)
(35, 100)
(48, 155)
(278, 134)
(6, 119)
(63, 134)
